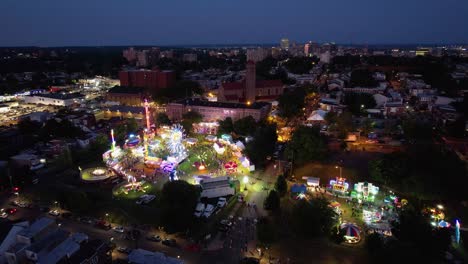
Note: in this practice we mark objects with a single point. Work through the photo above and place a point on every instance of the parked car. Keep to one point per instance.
(199, 209)
(103, 225)
(226, 223)
(222, 202)
(11, 211)
(3, 213)
(18, 203)
(223, 228)
(154, 238)
(145, 199)
(54, 212)
(169, 242)
(118, 229)
(124, 250)
(208, 210)
(86, 220)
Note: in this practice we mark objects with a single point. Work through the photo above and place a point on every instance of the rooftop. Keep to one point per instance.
(198, 102)
(141, 256)
(61, 96)
(126, 109)
(37, 227)
(127, 90)
(87, 251)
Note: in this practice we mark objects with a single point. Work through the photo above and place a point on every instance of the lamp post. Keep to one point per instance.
(341, 170)
(245, 180)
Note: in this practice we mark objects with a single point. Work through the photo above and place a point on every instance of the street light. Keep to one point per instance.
(341, 170)
(245, 180)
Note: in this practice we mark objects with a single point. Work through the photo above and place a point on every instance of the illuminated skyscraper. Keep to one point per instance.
(284, 43)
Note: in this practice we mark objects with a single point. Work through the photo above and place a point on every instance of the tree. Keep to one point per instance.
(178, 200)
(374, 244)
(262, 145)
(358, 102)
(225, 126)
(331, 118)
(344, 124)
(272, 201)
(132, 125)
(281, 186)
(366, 126)
(414, 231)
(181, 89)
(417, 128)
(390, 168)
(27, 126)
(162, 119)
(300, 65)
(307, 144)
(291, 103)
(362, 78)
(313, 218)
(245, 126)
(266, 231)
(121, 131)
(189, 118)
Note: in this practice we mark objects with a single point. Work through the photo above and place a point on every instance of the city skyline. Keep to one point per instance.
(85, 23)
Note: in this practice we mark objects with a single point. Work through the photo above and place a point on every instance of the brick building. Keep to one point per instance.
(149, 79)
(214, 111)
(126, 95)
(250, 89)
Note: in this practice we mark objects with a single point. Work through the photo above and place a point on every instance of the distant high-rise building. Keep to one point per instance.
(421, 51)
(167, 54)
(130, 54)
(307, 50)
(275, 52)
(257, 55)
(142, 58)
(189, 57)
(284, 44)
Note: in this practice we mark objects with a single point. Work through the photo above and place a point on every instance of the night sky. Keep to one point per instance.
(188, 22)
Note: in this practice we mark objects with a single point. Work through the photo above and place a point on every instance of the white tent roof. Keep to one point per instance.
(317, 115)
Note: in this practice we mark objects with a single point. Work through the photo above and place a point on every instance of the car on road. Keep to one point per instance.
(225, 222)
(11, 211)
(3, 213)
(124, 250)
(145, 199)
(103, 225)
(54, 212)
(199, 209)
(86, 220)
(223, 228)
(118, 229)
(21, 204)
(169, 242)
(154, 238)
(222, 202)
(208, 210)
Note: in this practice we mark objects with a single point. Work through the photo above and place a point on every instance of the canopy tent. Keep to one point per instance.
(352, 233)
(296, 188)
(317, 115)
